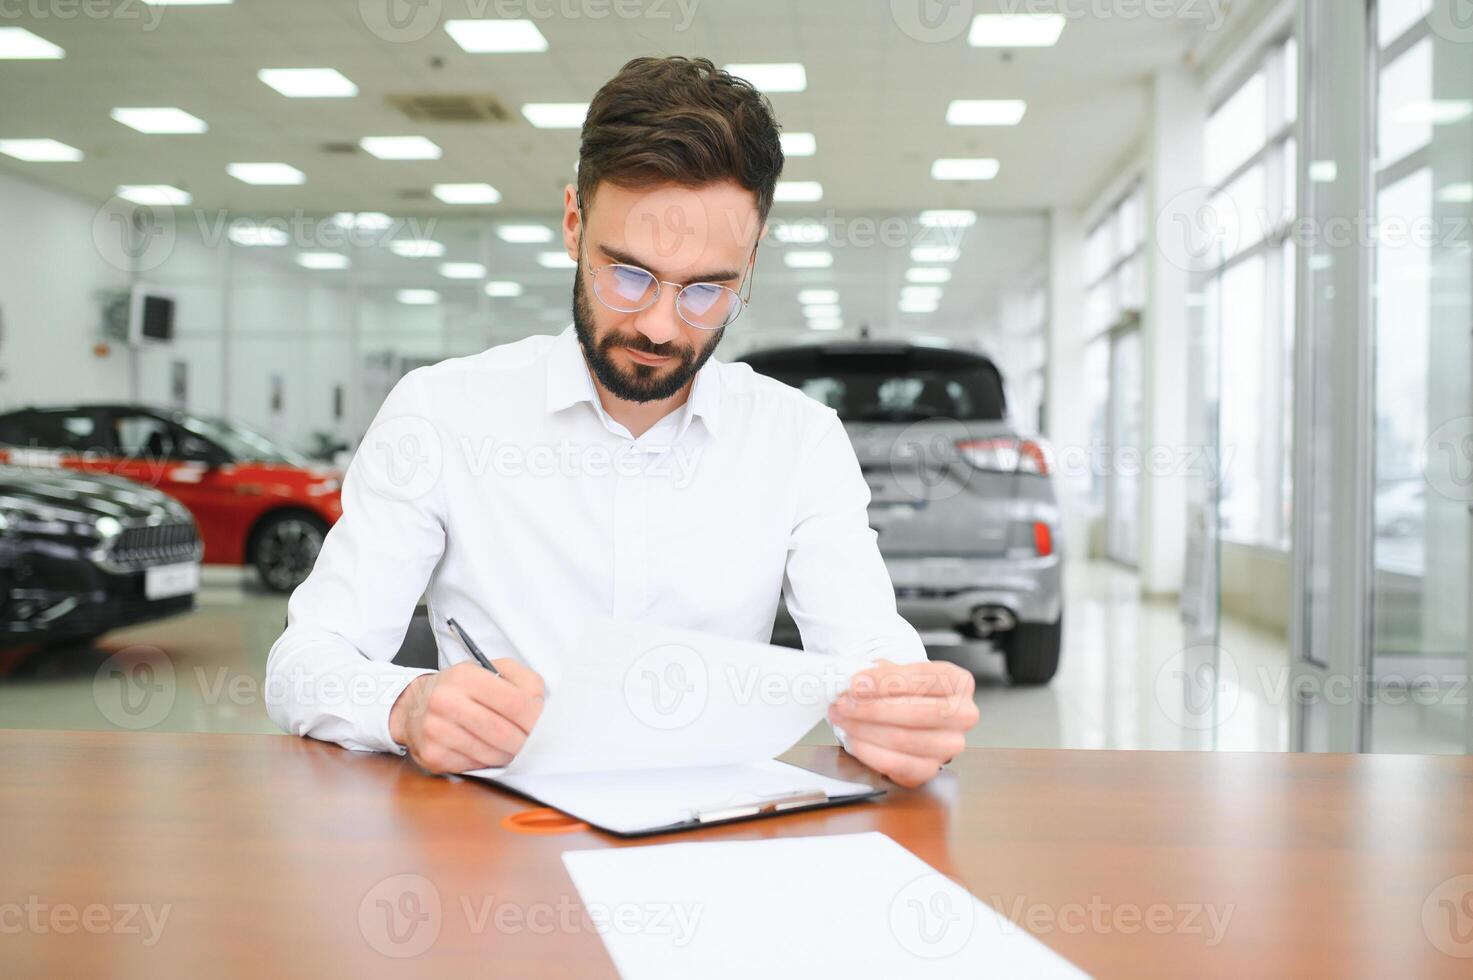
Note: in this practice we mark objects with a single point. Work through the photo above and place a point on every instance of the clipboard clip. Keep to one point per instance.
(760, 805)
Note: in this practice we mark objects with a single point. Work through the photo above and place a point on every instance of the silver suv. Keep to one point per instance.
(961, 499)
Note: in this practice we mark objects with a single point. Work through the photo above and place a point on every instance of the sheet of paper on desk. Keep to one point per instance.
(652, 697)
(858, 906)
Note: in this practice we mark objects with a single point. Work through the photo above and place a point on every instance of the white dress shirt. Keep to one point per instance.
(496, 485)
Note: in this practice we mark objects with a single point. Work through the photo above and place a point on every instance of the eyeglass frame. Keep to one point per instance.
(747, 278)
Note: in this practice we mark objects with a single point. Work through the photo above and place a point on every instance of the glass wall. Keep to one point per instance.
(1422, 178)
(1250, 158)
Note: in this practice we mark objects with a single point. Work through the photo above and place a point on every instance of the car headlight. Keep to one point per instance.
(107, 527)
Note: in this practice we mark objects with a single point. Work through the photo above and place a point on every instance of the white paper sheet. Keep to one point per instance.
(631, 801)
(858, 906)
(652, 697)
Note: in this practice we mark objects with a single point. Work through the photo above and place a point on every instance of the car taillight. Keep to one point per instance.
(1006, 455)
(1043, 539)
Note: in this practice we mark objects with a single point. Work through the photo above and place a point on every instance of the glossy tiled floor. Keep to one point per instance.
(1123, 683)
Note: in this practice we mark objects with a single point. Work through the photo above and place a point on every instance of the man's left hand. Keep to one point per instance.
(906, 721)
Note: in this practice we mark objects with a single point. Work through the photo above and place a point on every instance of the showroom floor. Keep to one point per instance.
(1119, 686)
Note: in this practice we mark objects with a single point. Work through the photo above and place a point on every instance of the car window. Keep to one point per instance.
(73, 431)
(891, 386)
(144, 437)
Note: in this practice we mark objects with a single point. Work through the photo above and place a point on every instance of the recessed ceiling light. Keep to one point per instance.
(1456, 194)
(417, 297)
(462, 270)
(308, 83)
(917, 306)
(496, 36)
(1323, 171)
(555, 260)
(466, 193)
(810, 296)
(417, 248)
(401, 147)
(362, 220)
(188, 3)
(985, 112)
(822, 310)
(322, 260)
(20, 44)
(1435, 112)
(808, 260)
(798, 190)
(155, 195)
(555, 115)
(266, 174)
(800, 232)
(927, 274)
(1016, 30)
(40, 151)
(257, 236)
(159, 119)
(523, 234)
(948, 219)
(799, 144)
(930, 293)
(502, 288)
(826, 323)
(769, 77)
(934, 253)
(964, 168)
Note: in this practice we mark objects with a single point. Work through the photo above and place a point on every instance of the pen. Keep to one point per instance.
(470, 645)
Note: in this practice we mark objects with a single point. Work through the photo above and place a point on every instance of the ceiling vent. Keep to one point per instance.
(451, 108)
(340, 149)
(414, 195)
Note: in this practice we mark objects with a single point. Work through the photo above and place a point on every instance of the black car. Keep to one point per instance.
(82, 554)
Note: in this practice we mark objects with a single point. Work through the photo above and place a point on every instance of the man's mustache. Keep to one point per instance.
(644, 345)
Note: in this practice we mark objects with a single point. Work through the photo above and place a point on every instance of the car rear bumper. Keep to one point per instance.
(935, 593)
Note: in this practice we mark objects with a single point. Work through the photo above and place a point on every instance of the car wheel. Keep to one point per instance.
(286, 547)
(1032, 651)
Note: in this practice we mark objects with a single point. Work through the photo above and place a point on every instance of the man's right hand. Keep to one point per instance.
(465, 717)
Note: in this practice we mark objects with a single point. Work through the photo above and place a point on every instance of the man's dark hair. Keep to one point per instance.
(682, 121)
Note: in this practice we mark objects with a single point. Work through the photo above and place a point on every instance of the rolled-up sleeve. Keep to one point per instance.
(330, 675)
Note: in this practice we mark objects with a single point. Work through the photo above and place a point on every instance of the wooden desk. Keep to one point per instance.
(265, 849)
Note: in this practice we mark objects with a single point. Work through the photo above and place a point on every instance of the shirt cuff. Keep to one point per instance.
(376, 729)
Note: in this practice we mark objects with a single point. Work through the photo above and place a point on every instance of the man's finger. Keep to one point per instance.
(497, 734)
(503, 697)
(907, 770)
(936, 680)
(935, 744)
(522, 676)
(446, 736)
(909, 712)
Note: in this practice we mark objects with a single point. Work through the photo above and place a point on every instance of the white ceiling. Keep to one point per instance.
(876, 100)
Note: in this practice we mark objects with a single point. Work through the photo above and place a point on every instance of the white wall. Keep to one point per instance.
(51, 273)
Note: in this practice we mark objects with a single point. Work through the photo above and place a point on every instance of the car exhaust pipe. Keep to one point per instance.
(987, 620)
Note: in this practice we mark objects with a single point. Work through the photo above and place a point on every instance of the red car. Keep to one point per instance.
(256, 503)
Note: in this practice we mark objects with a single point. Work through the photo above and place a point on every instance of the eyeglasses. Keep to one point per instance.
(630, 289)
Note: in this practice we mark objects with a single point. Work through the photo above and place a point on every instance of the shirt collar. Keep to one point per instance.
(569, 382)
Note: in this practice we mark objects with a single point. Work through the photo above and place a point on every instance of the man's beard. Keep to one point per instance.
(643, 384)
